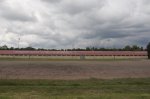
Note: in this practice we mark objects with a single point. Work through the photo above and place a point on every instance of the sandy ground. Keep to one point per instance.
(71, 70)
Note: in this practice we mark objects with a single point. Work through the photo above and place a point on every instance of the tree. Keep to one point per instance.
(12, 48)
(4, 47)
(142, 49)
(127, 48)
(148, 50)
(88, 49)
(29, 48)
(135, 48)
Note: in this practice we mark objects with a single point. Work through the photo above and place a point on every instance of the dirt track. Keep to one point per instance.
(68, 70)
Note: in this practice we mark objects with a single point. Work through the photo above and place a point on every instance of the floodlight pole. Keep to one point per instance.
(18, 43)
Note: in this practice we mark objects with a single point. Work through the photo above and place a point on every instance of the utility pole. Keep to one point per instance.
(19, 38)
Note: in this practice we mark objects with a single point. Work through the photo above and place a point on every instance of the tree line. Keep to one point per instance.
(126, 48)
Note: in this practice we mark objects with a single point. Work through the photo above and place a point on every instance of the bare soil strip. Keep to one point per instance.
(73, 70)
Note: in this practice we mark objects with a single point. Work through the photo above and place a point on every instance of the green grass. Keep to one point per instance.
(77, 89)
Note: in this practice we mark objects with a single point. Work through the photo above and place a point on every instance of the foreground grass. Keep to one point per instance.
(78, 89)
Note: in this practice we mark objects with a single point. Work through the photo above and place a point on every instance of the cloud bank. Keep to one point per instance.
(74, 23)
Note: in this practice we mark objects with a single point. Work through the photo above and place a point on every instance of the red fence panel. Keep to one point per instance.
(74, 53)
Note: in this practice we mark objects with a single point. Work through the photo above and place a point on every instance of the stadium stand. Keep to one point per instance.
(73, 53)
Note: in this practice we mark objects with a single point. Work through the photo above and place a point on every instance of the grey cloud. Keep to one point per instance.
(63, 23)
(52, 1)
(80, 6)
(15, 14)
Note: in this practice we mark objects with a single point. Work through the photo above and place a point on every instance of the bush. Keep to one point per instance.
(148, 50)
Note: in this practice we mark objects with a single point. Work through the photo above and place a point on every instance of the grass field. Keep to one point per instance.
(76, 89)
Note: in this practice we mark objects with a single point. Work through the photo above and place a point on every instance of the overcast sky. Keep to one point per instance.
(74, 23)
